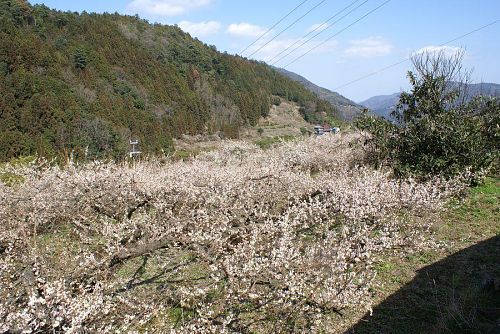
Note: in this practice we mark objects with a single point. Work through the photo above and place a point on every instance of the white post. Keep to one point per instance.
(134, 152)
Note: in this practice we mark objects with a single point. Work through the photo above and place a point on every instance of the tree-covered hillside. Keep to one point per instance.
(86, 83)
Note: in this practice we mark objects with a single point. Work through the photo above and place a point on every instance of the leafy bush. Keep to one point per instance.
(276, 100)
(437, 131)
(268, 142)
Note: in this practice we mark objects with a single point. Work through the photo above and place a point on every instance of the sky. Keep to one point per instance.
(343, 50)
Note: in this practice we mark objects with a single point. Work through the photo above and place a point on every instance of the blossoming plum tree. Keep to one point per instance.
(234, 240)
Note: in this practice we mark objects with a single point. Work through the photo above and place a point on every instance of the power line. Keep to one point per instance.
(322, 27)
(316, 35)
(373, 73)
(336, 34)
(408, 58)
(268, 30)
(288, 27)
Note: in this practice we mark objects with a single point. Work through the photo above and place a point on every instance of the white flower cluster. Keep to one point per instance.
(241, 240)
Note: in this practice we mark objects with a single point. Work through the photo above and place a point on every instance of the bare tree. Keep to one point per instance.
(439, 83)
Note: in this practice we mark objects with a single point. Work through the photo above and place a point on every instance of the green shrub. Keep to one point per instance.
(10, 179)
(276, 101)
(437, 132)
(268, 142)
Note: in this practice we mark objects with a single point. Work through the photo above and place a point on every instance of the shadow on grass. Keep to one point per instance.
(459, 294)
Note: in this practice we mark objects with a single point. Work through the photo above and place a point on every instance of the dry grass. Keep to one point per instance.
(283, 123)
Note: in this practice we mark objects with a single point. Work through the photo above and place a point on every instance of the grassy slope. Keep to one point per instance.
(348, 109)
(283, 123)
(452, 290)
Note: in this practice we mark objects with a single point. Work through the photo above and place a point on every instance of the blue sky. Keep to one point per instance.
(386, 36)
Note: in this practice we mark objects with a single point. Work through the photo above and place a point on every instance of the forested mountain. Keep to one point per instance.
(348, 109)
(383, 105)
(86, 83)
(483, 88)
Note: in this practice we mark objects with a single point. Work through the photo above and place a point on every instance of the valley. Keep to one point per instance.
(155, 180)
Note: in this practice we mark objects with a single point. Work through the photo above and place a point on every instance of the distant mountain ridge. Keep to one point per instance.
(348, 109)
(382, 105)
(488, 89)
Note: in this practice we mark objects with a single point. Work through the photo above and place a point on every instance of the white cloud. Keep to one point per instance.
(318, 27)
(200, 29)
(369, 47)
(245, 30)
(446, 50)
(165, 7)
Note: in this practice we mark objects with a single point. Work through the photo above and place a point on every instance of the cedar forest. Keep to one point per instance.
(87, 83)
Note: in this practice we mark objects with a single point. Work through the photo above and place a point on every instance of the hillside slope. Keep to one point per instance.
(348, 109)
(86, 83)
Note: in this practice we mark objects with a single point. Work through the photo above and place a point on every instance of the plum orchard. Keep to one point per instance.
(235, 240)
